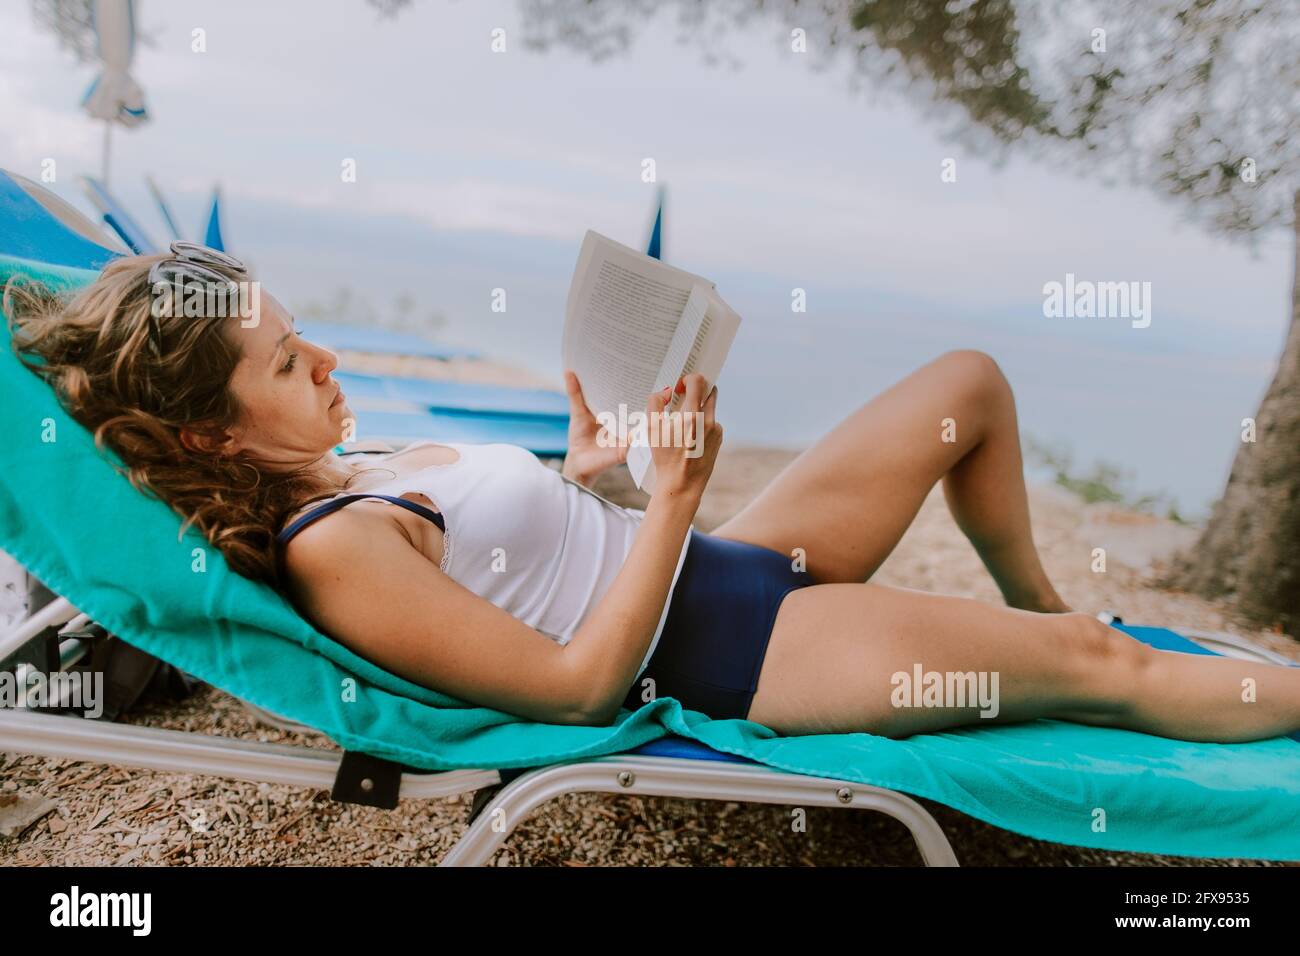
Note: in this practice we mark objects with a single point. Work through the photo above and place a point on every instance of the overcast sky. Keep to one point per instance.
(478, 170)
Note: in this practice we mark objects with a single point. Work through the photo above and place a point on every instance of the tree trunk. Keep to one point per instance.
(1250, 549)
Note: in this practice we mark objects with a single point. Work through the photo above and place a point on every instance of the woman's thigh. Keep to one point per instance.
(847, 499)
(835, 651)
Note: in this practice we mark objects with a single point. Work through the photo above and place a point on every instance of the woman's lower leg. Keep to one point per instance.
(1197, 697)
(985, 489)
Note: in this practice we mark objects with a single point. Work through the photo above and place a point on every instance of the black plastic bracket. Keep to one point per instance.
(367, 780)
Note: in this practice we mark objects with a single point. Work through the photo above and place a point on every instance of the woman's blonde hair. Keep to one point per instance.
(94, 348)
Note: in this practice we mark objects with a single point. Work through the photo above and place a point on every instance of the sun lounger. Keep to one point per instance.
(41, 235)
(114, 556)
(457, 396)
(403, 409)
(359, 338)
(542, 437)
(381, 414)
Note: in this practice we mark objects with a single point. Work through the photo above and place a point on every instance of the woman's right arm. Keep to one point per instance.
(361, 580)
(612, 641)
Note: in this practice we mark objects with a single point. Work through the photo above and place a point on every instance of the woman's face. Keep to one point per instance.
(293, 411)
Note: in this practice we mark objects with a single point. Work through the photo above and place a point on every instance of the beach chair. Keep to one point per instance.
(401, 409)
(457, 396)
(43, 236)
(114, 557)
(403, 421)
(365, 338)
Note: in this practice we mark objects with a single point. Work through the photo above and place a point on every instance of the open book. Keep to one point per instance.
(635, 325)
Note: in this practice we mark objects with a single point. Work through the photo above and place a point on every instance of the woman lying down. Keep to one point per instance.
(475, 570)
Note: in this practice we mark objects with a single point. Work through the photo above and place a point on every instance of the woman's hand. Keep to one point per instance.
(684, 458)
(587, 457)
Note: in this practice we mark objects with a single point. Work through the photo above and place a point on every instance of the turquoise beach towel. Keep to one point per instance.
(87, 534)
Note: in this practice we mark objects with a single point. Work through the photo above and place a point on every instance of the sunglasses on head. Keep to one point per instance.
(188, 263)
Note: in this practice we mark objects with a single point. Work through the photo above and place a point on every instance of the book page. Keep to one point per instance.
(685, 345)
(623, 311)
(634, 325)
(716, 331)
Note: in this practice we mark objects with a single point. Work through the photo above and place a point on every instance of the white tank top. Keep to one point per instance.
(536, 544)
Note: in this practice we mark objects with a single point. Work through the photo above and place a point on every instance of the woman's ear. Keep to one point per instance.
(206, 442)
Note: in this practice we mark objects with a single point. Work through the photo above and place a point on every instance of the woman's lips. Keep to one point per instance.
(337, 398)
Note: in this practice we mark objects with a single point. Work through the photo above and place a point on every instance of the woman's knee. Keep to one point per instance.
(974, 374)
(1102, 667)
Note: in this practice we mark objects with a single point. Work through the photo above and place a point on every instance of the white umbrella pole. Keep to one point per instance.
(108, 132)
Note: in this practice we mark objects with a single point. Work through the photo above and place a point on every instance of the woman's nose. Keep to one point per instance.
(327, 361)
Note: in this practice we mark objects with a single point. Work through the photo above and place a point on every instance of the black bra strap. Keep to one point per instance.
(330, 507)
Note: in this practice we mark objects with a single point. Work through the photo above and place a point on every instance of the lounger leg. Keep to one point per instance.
(691, 780)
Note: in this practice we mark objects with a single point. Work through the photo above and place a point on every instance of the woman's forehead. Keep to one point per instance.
(274, 320)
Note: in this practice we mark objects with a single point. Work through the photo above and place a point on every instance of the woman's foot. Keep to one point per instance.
(1045, 603)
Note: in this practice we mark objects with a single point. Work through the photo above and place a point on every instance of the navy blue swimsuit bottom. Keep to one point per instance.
(720, 617)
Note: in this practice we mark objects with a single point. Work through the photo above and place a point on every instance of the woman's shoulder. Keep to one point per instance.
(356, 507)
(365, 515)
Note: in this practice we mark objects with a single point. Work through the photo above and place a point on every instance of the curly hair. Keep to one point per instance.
(94, 350)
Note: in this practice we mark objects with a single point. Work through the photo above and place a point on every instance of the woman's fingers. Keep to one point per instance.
(708, 413)
(656, 401)
(699, 412)
(694, 391)
(577, 402)
(696, 424)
